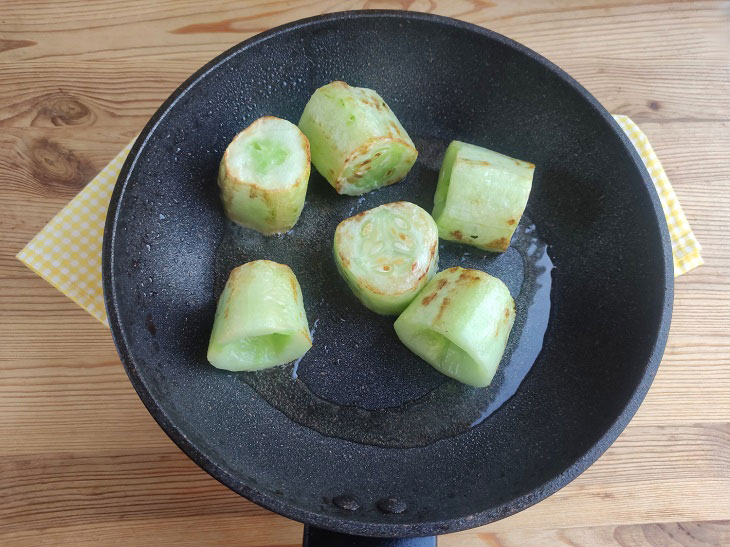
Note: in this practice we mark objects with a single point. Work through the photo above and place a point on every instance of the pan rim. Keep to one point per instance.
(342, 523)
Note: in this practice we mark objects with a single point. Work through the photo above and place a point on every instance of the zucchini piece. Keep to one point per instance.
(460, 324)
(260, 320)
(263, 175)
(480, 196)
(387, 254)
(357, 143)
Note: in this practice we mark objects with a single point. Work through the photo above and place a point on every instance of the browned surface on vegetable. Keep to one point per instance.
(502, 243)
(444, 304)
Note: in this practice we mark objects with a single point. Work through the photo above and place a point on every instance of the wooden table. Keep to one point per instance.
(81, 460)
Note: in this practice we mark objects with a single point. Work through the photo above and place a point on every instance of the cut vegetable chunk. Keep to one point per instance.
(260, 320)
(460, 324)
(480, 196)
(387, 254)
(264, 174)
(357, 143)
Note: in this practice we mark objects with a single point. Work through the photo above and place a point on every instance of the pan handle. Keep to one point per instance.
(318, 537)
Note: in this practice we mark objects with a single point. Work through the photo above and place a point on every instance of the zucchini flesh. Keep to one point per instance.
(263, 175)
(387, 255)
(357, 142)
(260, 320)
(480, 196)
(459, 324)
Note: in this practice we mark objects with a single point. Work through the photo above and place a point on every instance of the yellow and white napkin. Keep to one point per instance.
(67, 251)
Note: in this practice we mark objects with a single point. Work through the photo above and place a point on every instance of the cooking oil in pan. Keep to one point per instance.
(358, 382)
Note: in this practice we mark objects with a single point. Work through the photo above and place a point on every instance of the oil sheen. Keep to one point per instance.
(358, 382)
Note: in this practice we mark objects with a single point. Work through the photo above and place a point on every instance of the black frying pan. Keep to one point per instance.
(368, 439)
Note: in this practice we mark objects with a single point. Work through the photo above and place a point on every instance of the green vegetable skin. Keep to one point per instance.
(460, 324)
(260, 320)
(387, 254)
(480, 196)
(263, 175)
(357, 143)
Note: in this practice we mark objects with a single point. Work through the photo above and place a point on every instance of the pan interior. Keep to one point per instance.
(590, 214)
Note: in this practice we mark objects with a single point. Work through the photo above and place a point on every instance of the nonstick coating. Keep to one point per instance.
(592, 201)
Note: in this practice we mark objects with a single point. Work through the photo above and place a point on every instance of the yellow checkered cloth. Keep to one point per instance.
(67, 251)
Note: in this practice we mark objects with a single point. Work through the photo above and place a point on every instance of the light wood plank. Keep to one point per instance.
(677, 534)
(257, 531)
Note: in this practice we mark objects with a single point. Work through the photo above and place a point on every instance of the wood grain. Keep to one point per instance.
(83, 463)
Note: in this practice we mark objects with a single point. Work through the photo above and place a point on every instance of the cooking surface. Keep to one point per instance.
(72, 419)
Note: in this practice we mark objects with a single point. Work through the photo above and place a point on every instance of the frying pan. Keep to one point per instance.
(361, 437)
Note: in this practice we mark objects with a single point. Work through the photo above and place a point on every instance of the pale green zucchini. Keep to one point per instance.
(480, 196)
(263, 175)
(357, 143)
(387, 254)
(459, 324)
(260, 320)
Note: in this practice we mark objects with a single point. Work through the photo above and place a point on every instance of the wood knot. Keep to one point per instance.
(66, 110)
(57, 167)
